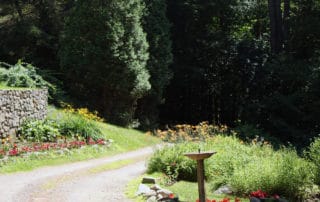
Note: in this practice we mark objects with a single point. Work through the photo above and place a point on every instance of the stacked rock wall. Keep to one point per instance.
(19, 105)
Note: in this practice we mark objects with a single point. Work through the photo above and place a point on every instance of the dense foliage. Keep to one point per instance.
(79, 124)
(39, 131)
(159, 61)
(245, 167)
(22, 75)
(313, 153)
(157, 28)
(104, 56)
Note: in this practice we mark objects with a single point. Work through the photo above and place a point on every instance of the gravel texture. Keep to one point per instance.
(73, 182)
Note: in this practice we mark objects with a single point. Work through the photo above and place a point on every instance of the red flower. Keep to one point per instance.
(259, 194)
(13, 152)
(26, 149)
(171, 195)
(225, 200)
(237, 200)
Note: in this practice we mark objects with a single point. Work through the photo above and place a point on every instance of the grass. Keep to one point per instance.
(187, 191)
(51, 158)
(115, 165)
(127, 139)
(124, 140)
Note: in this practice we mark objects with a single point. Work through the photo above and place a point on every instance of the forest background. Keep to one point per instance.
(249, 64)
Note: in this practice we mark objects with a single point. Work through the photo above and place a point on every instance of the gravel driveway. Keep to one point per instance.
(74, 182)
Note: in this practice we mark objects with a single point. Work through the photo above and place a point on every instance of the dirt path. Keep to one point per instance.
(82, 181)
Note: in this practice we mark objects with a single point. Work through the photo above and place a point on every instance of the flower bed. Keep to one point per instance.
(261, 196)
(11, 150)
(222, 200)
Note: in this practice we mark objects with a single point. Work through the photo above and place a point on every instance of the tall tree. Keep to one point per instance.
(157, 27)
(104, 55)
(276, 25)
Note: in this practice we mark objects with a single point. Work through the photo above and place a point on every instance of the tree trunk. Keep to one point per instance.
(286, 15)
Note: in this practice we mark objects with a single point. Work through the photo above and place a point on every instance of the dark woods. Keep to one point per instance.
(157, 62)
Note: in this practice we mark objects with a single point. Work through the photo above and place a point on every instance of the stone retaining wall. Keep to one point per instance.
(19, 105)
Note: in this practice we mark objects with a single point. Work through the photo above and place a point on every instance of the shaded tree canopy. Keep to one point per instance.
(158, 62)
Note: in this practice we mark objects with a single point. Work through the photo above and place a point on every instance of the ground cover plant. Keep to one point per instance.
(246, 167)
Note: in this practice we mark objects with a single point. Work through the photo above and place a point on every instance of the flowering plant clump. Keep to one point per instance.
(84, 112)
(260, 194)
(15, 150)
(186, 132)
(222, 200)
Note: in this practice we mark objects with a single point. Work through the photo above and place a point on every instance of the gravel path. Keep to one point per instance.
(74, 182)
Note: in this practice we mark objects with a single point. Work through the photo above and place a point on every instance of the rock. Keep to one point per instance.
(164, 193)
(152, 199)
(155, 187)
(148, 180)
(151, 193)
(159, 197)
(224, 190)
(143, 189)
(16, 105)
(2, 118)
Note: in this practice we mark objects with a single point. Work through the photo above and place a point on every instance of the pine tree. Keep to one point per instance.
(157, 27)
(104, 55)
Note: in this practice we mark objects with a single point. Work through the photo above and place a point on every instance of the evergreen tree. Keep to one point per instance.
(103, 56)
(157, 28)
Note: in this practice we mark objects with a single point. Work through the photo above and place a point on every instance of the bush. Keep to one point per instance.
(76, 126)
(26, 75)
(172, 162)
(76, 123)
(39, 131)
(22, 75)
(281, 172)
(246, 167)
(313, 153)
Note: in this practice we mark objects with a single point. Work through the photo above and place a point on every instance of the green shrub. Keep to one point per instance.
(246, 167)
(281, 172)
(39, 131)
(22, 75)
(76, 126)
(171, 161)
(313, 153)
(26, 75)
